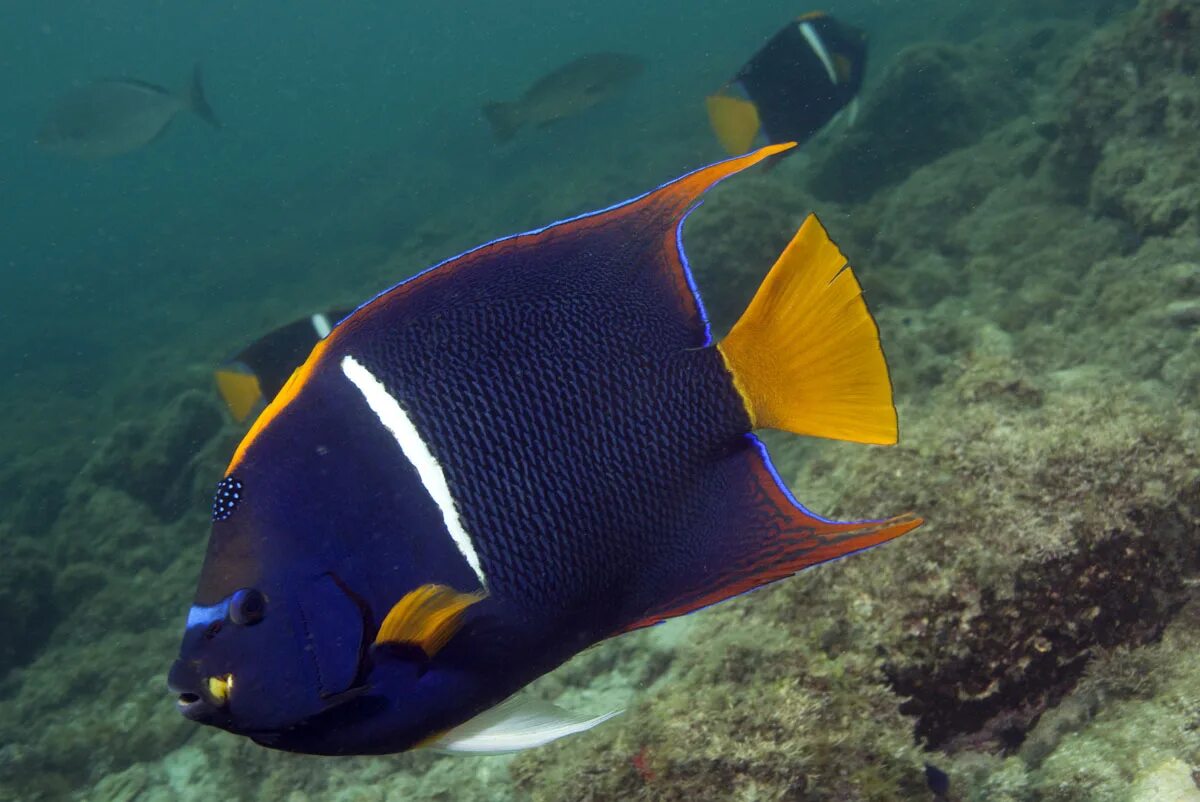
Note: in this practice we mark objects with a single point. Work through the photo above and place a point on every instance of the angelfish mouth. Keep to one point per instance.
(202, 706)
(191, 705)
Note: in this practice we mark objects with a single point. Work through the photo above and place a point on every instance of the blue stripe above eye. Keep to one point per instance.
(199, 616)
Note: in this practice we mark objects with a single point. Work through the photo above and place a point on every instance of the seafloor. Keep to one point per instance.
(1024, 212)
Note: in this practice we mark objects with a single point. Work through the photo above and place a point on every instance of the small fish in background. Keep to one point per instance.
(800, 80)
(253, 376)
(565, 92)
(509, 457)
(115, 116)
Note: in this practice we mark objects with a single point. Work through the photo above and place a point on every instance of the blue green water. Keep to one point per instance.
(354, 154)
(190, 234)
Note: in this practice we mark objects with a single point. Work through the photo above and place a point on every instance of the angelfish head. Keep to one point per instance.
(271, 639)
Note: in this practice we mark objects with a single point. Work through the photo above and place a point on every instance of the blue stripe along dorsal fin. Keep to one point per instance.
(653, 220)
(752, 532)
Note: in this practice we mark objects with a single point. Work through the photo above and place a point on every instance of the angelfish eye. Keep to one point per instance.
(247, 607)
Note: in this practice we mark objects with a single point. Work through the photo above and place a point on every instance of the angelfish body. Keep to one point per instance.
(513, 455)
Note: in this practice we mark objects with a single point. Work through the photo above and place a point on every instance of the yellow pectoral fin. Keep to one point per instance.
(734, 121)
(426, 617)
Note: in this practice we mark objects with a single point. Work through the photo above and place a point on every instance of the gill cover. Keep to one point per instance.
(333, 633)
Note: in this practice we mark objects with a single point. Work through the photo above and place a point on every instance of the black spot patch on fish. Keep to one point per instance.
(226, 499)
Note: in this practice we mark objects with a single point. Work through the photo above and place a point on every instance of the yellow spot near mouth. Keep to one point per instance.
(219, 688)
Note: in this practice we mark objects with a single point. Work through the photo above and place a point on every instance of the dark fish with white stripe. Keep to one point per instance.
(115, 116)
(254, 375)
(807, 75)
(527, 449)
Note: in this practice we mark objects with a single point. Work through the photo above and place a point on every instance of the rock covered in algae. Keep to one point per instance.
(1170, 781)
(1127, 138)
(1037, 635)
(937, 97)
(27, 602)
(144, 458)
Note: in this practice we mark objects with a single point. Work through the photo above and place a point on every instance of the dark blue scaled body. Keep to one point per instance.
(542, 429)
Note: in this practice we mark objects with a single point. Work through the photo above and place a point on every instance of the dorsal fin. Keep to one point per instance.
(644, 230)
(621, 270)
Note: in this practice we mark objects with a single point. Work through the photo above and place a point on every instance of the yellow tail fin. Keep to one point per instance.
(805, 354)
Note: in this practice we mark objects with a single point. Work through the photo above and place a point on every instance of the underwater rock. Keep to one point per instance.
(101, 524)
(27, 604)
(1170, 781)
(1033, 627)
(152, 459)
(31, 496)
(1140, 735)
(1098, 531)
(1183, 314)
(740, 231)
(933, 99)
(1126, 143)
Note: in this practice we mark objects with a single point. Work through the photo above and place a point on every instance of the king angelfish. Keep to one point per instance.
(522, 451)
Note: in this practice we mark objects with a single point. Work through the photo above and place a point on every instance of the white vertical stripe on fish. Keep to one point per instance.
(814, 41)
(396, 420)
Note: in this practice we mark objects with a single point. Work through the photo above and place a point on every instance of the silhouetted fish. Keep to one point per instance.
(115, 116)
(565, 92)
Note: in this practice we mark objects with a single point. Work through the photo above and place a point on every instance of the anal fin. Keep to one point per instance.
(751, 532)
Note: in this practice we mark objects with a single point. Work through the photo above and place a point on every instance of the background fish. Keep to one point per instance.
(565, 92)
(802, 78)
(115, 116)
(253, 376)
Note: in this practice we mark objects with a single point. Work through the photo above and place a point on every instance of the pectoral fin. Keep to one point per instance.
(512, 726)
(426, 617)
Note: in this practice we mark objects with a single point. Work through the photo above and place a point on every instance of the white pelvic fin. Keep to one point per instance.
(814, 41)
(514, 725)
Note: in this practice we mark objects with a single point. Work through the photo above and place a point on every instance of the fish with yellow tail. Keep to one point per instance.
(807, 75)
(525, 450)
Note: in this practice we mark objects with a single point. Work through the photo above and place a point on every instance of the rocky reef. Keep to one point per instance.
(1023, 209)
